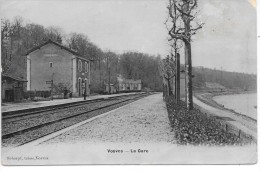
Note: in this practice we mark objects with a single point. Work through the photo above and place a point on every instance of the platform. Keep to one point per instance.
(6, 107)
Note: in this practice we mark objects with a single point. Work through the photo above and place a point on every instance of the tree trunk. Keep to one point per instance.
(163, 90)
(188, 66)
(188, 70)
(169, 87)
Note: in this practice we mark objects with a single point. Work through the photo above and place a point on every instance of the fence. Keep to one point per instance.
(33, 94)
(229, 128)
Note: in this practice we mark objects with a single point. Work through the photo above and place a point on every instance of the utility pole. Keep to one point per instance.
(109, 80)
(178, 77)
(52, 77)
(175, 78)
(185, 74)
(176, 70)
(51, 89)
(221, 80)
(175, 87)
(108, 69)
(100, 80)
(85, 91)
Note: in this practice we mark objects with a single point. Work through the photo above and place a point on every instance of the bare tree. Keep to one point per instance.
(167, 69)
(183, 16)
(10, 36)
(5, 32)
(171, 23)
(54, 33)
(176, 45)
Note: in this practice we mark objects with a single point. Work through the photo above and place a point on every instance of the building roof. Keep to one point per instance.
(13, 77)
(131, 81)
(107, 84)
(57, 44)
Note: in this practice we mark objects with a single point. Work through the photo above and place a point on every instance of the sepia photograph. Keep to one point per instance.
(86, 82)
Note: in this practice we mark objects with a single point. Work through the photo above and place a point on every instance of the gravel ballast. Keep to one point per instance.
(33, 133)
(137, 122)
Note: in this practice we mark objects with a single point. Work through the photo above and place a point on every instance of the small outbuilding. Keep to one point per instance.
(12, 88)
(111, 90)
(126, 85)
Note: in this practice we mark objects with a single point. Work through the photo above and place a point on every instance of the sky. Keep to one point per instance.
(227, 40)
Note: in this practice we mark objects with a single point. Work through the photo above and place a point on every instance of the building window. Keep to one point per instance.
(51, 64)
(135, 86)
(79, 66)
(86, 67)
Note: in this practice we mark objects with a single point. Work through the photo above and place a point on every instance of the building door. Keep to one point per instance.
(9, 95)
(18, 93)
(79, 86)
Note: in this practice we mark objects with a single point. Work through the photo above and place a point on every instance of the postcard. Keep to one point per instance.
(128, 82)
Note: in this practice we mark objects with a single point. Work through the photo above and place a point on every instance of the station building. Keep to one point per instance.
(124, 85)
(129, 84)
(52, 64)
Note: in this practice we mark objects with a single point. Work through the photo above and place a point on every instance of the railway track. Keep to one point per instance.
(20, 128)
(32, 111)
(25, 114)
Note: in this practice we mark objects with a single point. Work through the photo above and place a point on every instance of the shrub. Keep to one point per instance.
(196, 128)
